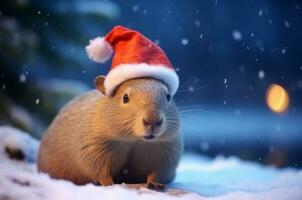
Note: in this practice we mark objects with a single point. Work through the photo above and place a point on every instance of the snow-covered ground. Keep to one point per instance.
(197, 178)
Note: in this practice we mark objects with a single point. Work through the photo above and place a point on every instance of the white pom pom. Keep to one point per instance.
(99, 50)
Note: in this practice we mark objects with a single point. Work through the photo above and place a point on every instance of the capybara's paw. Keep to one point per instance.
(106, 181)
(157, 187)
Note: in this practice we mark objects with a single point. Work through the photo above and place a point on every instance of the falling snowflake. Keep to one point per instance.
(145, 11)
(197, 23)
(237, 112)
(135, 8)
(201, 36)
(84, 71)
(279, 128)
(242, 68)
(184, 41)
(270, 21)
(156, 41)
(252, 34)
(125, 171)
(283, 50)
(260, 13)
(204, 146)
(261, 74)
(22, 78)
(286, 24)
(224, 102)
(237, 35)
(225, 82)
(39, 12)
(4, 86)
(191, 89)
(37, 101)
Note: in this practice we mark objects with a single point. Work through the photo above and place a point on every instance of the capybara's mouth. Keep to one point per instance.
(149, 137)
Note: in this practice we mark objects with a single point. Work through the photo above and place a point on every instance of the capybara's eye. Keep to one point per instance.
(168, 97)
(126, 98)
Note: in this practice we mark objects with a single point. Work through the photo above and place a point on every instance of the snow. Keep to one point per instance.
(197, 178)
(135, 8)
(260, 12)
(37, 101)
(261, 74)
(286, 24)
(184, 41)
(283, 51)
(237, 35)
(16, 139)
(22, 78)
(191, 89)
(225, 82)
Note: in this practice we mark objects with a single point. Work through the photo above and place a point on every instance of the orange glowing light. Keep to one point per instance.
(277, 98)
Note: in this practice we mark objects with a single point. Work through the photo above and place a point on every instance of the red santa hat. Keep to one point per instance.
(135, 56)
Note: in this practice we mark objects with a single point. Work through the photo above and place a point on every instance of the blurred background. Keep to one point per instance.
(239, 62)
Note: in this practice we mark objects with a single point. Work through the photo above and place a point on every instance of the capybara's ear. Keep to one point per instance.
(99, 83)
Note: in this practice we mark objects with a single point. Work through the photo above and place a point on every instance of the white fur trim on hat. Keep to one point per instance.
(126, 72)
(99, 50)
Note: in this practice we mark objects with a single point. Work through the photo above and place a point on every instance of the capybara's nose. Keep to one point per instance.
(152, 122)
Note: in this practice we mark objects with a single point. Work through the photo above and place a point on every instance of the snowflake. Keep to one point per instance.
(260, 13)
(37, 101)
(237, 35)
(191, 89)
(225, 82)
(283, 50)
(197, 23)
(242, 68)
(156, 41)
(184, 41)
(135, 8)
(261, 74)
(22, 78)
(205, 146)
(237, 112)
(286, 24)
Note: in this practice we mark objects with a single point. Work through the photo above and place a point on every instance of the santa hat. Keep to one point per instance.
(135, 56)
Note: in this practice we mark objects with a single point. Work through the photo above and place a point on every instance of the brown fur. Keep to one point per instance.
(99, 138)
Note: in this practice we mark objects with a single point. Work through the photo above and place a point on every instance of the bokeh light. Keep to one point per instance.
(277, 98)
